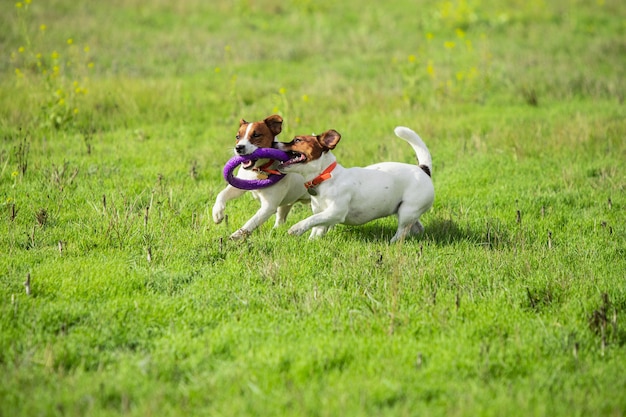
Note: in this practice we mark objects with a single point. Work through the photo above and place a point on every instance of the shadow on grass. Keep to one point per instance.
(437, 231)
(447, 232)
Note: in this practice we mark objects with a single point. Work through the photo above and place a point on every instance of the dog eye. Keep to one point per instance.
(297, 140)
(237, 137)
(256, 135)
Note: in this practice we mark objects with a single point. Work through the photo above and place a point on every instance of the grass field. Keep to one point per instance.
(119, 296)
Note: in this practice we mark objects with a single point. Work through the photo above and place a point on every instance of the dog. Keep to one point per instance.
(275, 199)
(357, 195)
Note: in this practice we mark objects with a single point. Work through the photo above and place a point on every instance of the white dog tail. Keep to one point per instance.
(423, 155)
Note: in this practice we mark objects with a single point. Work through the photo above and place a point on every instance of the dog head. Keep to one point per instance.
(303, 150)
(253, 135)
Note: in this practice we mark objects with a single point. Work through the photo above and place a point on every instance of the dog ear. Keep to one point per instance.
(275, 124)
(242, 122)
(329, 139)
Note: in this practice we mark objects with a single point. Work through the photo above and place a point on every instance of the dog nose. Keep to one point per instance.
(240, 149)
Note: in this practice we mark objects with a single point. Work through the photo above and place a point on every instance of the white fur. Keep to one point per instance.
(245, 141)
(358, 195)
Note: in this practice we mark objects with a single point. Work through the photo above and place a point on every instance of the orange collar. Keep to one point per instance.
(322, 177)
(265, 168)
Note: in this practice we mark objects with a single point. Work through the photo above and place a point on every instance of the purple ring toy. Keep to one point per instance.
(260, 153)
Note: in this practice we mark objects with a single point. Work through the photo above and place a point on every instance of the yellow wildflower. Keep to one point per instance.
(460, 33)
(54, 55)
(430, 69)
(282, 91)
(449, 44)
(18, 4)
(43, 28)
(70, 41)
(21, 49)
(429, 36)
(412, 58)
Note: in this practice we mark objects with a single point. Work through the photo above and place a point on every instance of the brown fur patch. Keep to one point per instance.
(313, 146)
(262, 133)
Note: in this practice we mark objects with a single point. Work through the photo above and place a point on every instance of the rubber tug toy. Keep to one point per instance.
(260, 153)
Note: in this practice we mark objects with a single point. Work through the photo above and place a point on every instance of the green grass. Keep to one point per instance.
(513, 302)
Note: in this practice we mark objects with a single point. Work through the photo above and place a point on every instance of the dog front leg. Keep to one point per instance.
(227, 194)
(260, 217)
(320, 221)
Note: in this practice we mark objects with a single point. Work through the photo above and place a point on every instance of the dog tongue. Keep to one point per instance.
(294, 160)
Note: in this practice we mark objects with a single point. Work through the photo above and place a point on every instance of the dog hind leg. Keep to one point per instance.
(417, 228)
(408, 222)
(318, 231)
(401, 233)
(281, 214)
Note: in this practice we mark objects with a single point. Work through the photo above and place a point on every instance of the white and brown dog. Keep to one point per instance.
(357, 195)
(277, 198)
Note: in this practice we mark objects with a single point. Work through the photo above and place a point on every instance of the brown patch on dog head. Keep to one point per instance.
(260, 134)
(309, 147)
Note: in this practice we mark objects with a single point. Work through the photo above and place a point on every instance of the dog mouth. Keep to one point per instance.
(294, 158)
(249, 164)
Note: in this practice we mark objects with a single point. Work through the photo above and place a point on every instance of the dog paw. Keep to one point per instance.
(296, 231)
(240, 234)
(218, 214)
(417, 228)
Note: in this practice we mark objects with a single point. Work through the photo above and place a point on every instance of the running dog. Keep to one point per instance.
(277, 198)
(355, 196)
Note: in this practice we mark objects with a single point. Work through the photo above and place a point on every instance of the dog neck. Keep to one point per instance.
(325, 175)
(312, 169)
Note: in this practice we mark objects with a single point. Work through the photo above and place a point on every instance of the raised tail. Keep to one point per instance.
(421, 151)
